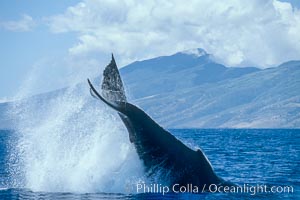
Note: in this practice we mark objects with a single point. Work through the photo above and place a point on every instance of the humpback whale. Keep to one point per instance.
(160, 151)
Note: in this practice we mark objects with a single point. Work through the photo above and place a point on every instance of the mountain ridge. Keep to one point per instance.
(264, 99)
(174, 68)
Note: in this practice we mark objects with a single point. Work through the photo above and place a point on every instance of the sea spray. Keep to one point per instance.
(70, 142)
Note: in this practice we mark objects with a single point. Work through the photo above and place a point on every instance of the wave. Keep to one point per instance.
(72, 143)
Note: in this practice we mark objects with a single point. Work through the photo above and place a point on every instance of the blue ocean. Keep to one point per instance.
(246, 157)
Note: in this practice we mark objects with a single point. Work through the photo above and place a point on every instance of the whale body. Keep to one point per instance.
(161, 153)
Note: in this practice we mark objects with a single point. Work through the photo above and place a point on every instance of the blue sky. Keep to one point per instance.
(19, 49)
(46, 45)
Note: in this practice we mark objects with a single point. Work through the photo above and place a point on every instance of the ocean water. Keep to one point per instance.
(248, 157)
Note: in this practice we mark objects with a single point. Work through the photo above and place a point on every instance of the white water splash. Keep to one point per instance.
(71, 142)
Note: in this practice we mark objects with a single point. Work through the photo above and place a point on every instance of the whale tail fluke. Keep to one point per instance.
(112, 91)
(112, 85)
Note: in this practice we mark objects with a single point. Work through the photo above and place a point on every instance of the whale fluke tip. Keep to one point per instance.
(112, 85)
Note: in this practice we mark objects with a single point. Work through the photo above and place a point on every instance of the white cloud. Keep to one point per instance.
(236, 32)
(26, 23)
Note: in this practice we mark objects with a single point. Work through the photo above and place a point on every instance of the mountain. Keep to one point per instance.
(267, 98)
(190, 89)
(179, 71)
